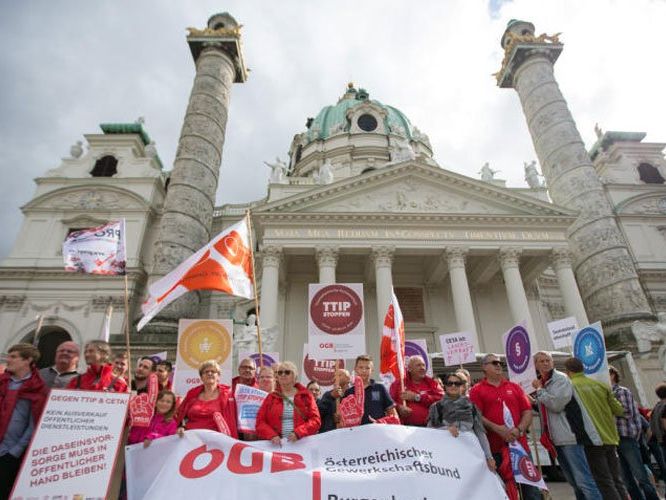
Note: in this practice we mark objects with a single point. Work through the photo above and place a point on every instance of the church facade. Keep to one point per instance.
(360, 200)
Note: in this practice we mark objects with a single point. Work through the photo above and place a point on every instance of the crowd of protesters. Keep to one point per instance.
(603, 442)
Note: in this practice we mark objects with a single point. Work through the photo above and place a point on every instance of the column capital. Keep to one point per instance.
(327, 256)
(271, 256)
(561, 257)
(509, 257)
(455, 256)
(383, 256)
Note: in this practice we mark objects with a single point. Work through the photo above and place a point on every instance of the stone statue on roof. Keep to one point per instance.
(401, 150)
(325, 173)
(532, 176)
(278, 171)
(487, 173)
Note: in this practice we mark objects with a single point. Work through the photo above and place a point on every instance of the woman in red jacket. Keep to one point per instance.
(288, 412)
(209, 405)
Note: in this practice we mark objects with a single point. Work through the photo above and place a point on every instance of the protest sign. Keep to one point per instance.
(590, 347)
(74, 448)
(369, 461)
(248, 402)
(200, 340)
(98, 250)
(418, 347)
(457, 348)
(524, 470)
(269, 358)
(322, 372)
(561, 331)
(336, 328)
(519, 361)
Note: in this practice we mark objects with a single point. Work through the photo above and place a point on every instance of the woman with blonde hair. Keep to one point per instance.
(209, 405)
(290, 411)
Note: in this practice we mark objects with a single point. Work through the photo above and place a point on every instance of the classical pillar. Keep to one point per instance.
(327, 260)
(515, 290)
(270, 275)
(604, 269)
(573, 303)
(462, 300)
(383, 260)
(188, 208)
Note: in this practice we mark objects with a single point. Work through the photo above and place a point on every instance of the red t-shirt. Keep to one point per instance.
(489, 398)
(429, 393)
(201, 414)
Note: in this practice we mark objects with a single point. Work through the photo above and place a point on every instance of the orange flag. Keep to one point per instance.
(224, 264)
(392, 350)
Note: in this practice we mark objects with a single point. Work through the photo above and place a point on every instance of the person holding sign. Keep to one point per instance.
(209, 405)
(330, 401)
(490, 396)
(288, 412)
(456, 413)
(418, 393)
(99, 376)
(22, 398)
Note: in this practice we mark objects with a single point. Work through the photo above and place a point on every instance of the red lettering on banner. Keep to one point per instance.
(187, 469)
(234, 463)
(281, 462)
(326, 346)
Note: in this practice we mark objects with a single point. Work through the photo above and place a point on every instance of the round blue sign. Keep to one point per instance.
(518, 350)
(589, 348)
(413, 349)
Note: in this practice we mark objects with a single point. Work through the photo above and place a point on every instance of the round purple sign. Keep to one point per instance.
(413, 349)
(268, 360)
(518, 349)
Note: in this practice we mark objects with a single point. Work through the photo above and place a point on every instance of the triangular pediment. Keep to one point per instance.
(414, 188)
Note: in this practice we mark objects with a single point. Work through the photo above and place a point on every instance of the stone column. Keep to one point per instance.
(462, 300)
(515, 290)
(383, 260)
(573, 303)
(604, 269)
(327, 260)
(188, 208)
(270, 276)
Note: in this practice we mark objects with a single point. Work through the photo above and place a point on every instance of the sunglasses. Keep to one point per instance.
(494, 363)
(284, 372)
(457, 384)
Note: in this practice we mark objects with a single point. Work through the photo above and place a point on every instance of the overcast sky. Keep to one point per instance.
(66, 66)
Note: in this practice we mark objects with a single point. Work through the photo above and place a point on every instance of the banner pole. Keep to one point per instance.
(536, 452)
(254, 288)
(127, 335)
(106, 323)
(40, 321)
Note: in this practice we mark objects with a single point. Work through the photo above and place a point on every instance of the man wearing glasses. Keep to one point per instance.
(490, 395)
(66, 361)
(246, 375)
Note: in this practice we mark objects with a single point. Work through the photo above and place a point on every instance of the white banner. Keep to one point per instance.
(418, 347)
(589, 346)
(336, 327)
(74, 447)
(369, 461)
(561, 331)
(200, 340)
(248, 402)
(322, 372)
(519, 357)
(98, 250)
(457, 348)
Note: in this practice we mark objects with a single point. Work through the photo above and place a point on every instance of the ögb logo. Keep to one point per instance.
(336, 309)
(203, 461)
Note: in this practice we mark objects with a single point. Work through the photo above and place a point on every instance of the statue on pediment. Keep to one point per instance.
(325, 173)
(278, 171)
(487, 173)
(401, 151)
(532, 176)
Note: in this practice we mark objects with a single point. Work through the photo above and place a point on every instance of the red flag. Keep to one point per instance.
(392, 350)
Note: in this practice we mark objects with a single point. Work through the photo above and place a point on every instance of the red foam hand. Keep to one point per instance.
(390, 419)
(153, 389)
(351, 408)
(141, 411)
(221, 423)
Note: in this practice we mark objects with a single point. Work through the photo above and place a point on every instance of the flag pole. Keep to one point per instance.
(127, 335)
(106, 323)
(254, 288)
(40, 321)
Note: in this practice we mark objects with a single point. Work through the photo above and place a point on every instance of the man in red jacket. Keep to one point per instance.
(22, 398)
(420, 391)
(99, 376)
(247, 370)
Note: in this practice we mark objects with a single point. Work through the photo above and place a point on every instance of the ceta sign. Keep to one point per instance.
(202, 461)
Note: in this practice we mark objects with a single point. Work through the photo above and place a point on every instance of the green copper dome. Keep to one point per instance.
(334, 118)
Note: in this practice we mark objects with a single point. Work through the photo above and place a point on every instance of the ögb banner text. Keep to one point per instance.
(200, 340)
(74, 447)
(519, 360)
(457, 348)
(336, 328)
(590, 347)
(322, 372)
(561, 331)
(369, 461)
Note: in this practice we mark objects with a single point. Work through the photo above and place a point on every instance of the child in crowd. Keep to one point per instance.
(163, 422)
(456, 413)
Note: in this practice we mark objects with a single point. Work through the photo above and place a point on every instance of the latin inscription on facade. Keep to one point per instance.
(408, 234)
